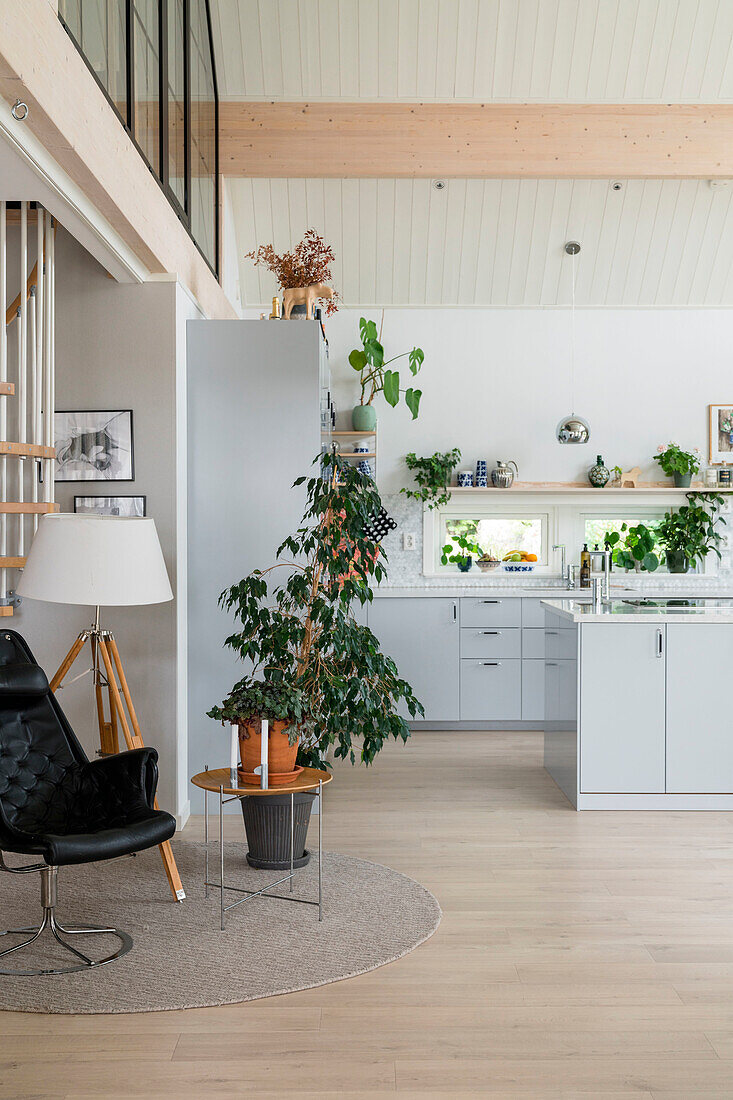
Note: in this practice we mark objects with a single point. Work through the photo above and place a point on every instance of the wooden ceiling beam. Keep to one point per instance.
(477, 140)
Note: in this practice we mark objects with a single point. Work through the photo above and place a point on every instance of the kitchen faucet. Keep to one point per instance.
(566, 571)
(599, 584)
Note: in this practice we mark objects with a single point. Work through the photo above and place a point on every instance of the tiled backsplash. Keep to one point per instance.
(404, 567)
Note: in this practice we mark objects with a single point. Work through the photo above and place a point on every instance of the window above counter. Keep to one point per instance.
(536, 519)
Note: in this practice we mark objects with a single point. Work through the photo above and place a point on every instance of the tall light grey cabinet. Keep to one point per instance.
(254, 426)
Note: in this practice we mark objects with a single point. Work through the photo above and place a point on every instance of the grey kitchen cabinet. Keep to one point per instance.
(533, 690)
(491, 689)
(533, 643)
(421, 634)
(699, 742)
(622, 708)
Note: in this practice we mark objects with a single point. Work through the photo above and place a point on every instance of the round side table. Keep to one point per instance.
(219, 781)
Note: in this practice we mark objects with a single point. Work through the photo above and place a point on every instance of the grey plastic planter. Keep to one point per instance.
(267, 825)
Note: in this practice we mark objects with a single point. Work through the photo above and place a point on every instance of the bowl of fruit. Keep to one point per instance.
(487, 563)
(519, 561)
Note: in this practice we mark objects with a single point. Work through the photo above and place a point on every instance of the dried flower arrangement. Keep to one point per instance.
(309, 263)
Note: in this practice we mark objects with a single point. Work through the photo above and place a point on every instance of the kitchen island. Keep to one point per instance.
(637, 703)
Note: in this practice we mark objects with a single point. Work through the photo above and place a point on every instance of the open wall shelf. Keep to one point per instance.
(579, 487)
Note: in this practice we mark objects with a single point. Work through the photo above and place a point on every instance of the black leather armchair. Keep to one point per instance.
(57, 804)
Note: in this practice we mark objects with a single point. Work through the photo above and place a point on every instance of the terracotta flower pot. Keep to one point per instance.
(280, 757)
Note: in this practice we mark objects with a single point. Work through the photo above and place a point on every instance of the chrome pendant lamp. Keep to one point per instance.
(573, 428)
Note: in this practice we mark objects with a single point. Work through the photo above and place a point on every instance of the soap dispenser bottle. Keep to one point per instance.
(585, 566)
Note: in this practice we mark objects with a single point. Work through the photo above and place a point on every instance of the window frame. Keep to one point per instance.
(566, 518)
(160, 171)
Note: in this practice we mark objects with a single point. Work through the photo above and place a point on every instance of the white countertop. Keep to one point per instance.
(621, 611)
(547, 591)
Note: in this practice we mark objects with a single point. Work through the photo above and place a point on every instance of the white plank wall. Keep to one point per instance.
(652, 51)
(497, 242)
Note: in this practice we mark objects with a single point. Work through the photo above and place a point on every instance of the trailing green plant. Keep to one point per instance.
(250, 699)
(635, 550)
(467, 548)
(303, 632)
(432, 475)
(692, 529)
(674, 460)
(374, 377)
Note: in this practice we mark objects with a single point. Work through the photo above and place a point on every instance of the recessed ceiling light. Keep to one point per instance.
(617, 185)
(439, 185)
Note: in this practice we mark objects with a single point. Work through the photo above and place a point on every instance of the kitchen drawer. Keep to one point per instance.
(561, 643)
(533, 691)
(492, 641)
(533, 642)
(488, 611)
(491, 691)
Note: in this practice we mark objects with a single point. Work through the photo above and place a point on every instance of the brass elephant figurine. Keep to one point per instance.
(304, 296)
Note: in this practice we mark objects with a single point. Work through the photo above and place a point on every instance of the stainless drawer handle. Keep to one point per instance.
(553, 663)
(552, 632)
(490, 601)
(492, 664)
(489, 632)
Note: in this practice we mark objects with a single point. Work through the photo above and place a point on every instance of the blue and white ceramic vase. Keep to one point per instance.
(465, 479)
(599, 474)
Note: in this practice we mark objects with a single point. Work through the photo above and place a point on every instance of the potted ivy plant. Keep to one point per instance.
(688, 534)
(432, 474)
(302, 635)
(374, 377)
(678, 464)
(244, 707)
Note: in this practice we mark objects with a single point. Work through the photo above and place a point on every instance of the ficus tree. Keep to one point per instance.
(302, 631)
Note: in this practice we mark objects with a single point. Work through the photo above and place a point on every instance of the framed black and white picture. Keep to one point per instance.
(94, 446)
(110, 506)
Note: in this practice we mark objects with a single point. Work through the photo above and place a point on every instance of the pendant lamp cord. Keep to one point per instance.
(572, 339)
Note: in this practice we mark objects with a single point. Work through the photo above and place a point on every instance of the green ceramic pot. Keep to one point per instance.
(682, 481)
(677, 561)
(364, 418)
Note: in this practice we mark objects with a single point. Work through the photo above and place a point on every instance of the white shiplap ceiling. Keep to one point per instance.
(497, 242)
(654, 51)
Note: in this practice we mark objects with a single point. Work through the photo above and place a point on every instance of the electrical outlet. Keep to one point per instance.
(408, 540)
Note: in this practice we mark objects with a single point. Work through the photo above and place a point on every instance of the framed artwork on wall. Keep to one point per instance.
(721, 434)
(110, 506)
(94, 445)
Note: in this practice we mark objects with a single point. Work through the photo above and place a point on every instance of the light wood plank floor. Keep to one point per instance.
(580, 955)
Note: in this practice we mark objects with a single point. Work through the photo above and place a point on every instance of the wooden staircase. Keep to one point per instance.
(27, 356)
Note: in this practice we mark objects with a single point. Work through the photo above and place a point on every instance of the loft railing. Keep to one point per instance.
(27, 386)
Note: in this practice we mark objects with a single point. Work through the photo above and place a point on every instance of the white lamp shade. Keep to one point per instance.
(112, 561)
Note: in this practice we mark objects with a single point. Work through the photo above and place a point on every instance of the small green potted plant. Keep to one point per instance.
(283, 703)
(678, 464)
(636, 549)
(325, 672)
(460, 552)
(688, 534)
(432, 474)
(374, 378)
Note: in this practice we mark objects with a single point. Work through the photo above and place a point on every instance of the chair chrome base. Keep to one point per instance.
(49, 881)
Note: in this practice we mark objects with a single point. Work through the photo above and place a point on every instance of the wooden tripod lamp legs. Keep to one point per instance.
(107, 649)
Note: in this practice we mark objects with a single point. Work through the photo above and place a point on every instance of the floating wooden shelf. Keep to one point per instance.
(12, 563)
(26, 450)
(357, 454)
(7, 389)
(579, 487)
(14, 507)
(360, 435)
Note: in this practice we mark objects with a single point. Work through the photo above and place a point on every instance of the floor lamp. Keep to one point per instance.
(101, 561)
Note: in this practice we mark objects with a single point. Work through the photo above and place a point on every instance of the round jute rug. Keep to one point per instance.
(181, 959)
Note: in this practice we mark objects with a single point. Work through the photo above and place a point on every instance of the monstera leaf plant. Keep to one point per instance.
(376, 376)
